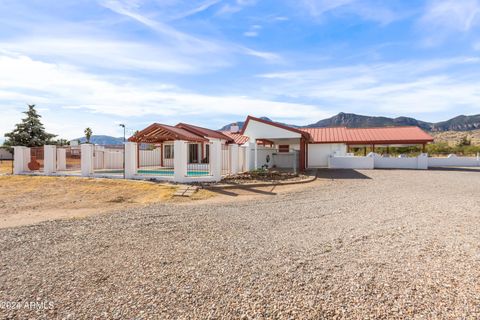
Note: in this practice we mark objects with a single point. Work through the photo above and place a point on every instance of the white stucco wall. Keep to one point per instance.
(262, 153)
(260, 130)
(286, 160)
(343, 162)
(318, 153)
(454, 161)
(419, 162)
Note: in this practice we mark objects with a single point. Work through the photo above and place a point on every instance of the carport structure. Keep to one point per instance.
(371, 137)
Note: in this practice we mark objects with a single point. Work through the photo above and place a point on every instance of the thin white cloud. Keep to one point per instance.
(452, 14)
(202, 7)
(368, 9)
(115, 54)
(253, 31)
(399, 88)
(187, 43)
(250, 34)
(236, 6)
(24, 80)
(444, 18)
(320, 7)
(268, 56)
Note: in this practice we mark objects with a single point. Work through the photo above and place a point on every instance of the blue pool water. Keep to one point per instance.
(157, 172)
(170, 172)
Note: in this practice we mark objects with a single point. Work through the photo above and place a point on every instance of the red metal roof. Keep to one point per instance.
(161, 132)
(203, 131)
(389, 135)
(236, 137)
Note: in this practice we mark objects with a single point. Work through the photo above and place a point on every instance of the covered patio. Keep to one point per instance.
(276, 145)
(155, 150)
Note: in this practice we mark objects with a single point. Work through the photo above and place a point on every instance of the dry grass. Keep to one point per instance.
(27, 199)
(5, 166)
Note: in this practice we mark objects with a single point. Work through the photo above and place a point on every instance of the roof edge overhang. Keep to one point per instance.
(303, 134)
(386, 142)
(192, 129)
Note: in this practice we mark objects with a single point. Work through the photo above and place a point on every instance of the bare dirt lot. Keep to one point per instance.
(31, 199)
(354, 244)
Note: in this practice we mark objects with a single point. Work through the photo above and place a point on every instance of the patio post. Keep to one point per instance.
(248, 156)
(294, 162)
(61, 159)
(255, 146)
(234, 156)
(216, 160)
(131, 159)
(21, 158)
(86, 160)
(422, 161)
(179, 160)
(49, 159)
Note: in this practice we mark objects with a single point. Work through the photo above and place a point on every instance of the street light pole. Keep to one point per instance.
(123, 126)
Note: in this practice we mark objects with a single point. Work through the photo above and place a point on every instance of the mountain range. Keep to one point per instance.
(351, 120)
(101, 139)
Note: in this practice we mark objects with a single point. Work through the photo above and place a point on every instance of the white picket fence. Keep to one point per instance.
(454, 161)
(103, 161)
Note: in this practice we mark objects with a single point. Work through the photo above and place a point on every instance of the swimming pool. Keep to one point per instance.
(170, 172)
(163, 172)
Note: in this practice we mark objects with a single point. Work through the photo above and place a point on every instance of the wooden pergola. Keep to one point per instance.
(159, 133)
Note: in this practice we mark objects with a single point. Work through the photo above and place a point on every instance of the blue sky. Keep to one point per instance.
(211, 62)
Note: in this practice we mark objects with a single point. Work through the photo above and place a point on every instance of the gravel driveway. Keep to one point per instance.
(367, 244)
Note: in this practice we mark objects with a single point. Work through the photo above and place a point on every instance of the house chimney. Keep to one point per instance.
(234, 128)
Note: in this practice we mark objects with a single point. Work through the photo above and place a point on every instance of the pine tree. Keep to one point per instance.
(30, 132)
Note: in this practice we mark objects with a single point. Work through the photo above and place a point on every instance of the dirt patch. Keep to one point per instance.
(6, 166)
(28, 200)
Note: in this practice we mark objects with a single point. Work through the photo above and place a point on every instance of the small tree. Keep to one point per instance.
(464, 141)
(61, 142)
(88, 134)
(30, 132)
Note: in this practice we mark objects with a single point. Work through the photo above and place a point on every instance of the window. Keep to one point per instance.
(284, 148)
(193, 153)
(168, 151)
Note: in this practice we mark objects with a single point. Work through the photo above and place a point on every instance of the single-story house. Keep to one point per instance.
(273, 144)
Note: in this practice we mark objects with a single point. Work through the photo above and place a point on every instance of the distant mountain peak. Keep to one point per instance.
(101, 140)
(352, 120)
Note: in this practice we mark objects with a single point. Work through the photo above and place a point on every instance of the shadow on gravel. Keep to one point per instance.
(459, 169)
(334, 174)
(243, 190)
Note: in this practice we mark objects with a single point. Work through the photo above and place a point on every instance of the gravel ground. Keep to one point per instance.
(372, 244)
